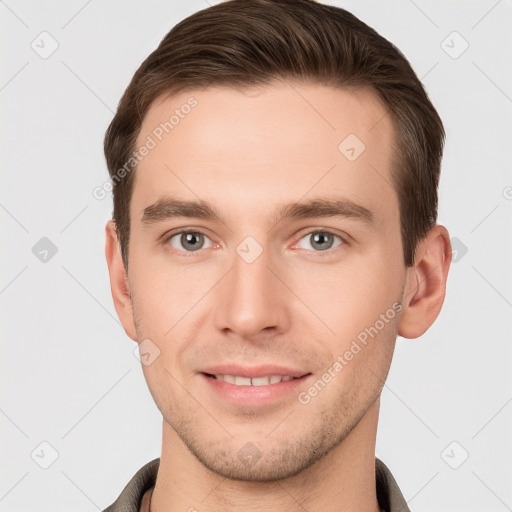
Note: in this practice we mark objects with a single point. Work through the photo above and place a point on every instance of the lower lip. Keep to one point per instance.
(254, 395)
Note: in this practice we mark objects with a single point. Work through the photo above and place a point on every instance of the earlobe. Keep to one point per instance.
(119, 281)
(425, 286)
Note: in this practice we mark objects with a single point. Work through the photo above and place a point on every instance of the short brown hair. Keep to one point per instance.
(241, 43)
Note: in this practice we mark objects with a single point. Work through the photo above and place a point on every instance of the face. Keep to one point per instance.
(262, 248)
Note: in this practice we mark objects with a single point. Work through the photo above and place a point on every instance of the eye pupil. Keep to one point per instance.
(192, 241)
(321, 241)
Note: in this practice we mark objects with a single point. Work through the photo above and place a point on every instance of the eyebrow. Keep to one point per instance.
(169, 207)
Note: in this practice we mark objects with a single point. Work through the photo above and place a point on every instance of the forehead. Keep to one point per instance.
(271, 144)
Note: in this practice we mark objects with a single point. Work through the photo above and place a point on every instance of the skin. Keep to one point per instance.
(247, 153)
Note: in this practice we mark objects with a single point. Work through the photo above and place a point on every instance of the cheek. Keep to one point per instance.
(165, 293)
(350, 296)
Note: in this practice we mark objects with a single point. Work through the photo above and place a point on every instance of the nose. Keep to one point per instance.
(251, 301)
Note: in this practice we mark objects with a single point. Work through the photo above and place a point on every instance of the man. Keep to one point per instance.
(275, 166)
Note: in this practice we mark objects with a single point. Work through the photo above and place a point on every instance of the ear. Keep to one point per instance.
(119, 281)
(425, 285)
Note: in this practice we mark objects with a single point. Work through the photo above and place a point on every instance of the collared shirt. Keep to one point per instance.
(136, 496)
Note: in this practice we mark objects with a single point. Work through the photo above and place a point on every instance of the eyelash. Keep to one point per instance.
(329, 251)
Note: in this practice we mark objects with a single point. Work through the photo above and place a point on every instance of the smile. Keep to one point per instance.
(239, 380)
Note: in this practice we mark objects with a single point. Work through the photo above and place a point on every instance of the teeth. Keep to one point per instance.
(242, 381)
(256, 381)
(261, 381)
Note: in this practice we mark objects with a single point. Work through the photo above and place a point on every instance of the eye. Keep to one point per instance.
(189, 241)
(320, 241)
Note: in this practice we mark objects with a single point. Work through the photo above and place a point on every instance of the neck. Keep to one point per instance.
(343, 480)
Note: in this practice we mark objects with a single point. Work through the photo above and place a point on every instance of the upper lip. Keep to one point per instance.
(253, 371)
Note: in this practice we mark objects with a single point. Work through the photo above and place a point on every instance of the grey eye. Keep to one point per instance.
(189, 241)
(321, 240)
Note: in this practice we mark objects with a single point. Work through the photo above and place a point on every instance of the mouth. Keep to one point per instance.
(255, 387)
(266, 380)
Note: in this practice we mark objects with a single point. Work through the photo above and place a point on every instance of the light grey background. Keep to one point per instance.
(68, 374)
